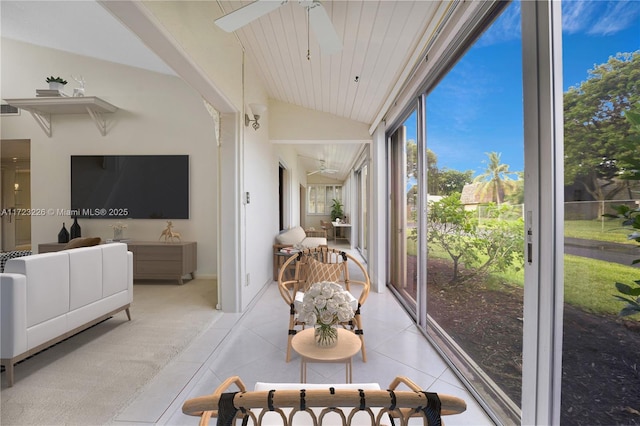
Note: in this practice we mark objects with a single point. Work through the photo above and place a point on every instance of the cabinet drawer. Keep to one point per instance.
(163, 253)
(156, 267)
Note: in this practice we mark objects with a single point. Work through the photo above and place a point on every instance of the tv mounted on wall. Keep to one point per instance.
(130, 186)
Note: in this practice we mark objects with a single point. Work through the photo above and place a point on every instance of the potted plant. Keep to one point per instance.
(56, 83)
(336, 210)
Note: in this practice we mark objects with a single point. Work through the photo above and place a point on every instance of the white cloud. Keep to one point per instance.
(576, 15)
(599, 17)
(617, 17)
(505, 28)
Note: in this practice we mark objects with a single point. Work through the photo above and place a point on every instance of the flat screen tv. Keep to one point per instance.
(130, 186)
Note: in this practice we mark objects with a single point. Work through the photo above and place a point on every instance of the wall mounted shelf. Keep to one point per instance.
(43, 108)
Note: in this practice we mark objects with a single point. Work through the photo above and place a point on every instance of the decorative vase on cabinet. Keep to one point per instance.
(63, 235)
(75, 229)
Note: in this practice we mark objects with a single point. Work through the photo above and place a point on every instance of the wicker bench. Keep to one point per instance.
(314, 404)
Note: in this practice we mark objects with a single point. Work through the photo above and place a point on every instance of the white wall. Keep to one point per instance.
(294, 123)
(159, 114)
(248, 162)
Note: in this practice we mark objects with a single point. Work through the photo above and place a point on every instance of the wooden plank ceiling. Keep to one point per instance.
(381, 42)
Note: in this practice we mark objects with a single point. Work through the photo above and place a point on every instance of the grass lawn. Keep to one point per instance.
(607, 230)
(589, 284)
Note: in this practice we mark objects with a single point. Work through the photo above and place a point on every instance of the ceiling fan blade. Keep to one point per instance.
(246, 14)
(323, 29)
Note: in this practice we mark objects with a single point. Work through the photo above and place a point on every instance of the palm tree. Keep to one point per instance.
(495, 178)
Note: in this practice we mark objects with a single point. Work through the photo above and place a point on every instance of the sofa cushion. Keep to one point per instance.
(85, 276)
(292, 236)
(10, 255)
(13, 315)
(312, 242)
(115, 276)
(47, 284)
(82, 242)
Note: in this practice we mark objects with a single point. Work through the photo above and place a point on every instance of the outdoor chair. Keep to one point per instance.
(289, 404)
(317, 265)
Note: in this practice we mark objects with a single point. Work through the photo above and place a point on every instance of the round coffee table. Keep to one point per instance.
(304, 344)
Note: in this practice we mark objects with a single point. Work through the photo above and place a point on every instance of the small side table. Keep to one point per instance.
(304, 344)
(282, 257)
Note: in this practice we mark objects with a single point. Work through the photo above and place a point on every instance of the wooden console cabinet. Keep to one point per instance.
(50, 247)
(158, 260)
(154, 260)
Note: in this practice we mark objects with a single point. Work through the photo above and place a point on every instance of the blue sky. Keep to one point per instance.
(477, 107)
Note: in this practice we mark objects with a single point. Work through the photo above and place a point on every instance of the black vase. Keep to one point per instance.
(63, 235)
(75, 229)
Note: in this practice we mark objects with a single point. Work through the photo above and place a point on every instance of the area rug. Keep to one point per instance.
(89, 377)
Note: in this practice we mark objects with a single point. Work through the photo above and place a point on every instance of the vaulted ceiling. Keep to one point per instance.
(379, 41)
(383, 42)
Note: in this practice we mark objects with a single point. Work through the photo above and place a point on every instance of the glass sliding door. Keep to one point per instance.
(475, 227)
(403, 267)
(601, 349)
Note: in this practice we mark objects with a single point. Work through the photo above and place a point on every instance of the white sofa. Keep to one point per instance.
(45, 298)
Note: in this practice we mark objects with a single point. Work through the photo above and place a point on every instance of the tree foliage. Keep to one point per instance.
(453, 228)
(631, 293)
(451, 181)
(412, 159)
(631, 220)
(494, 246)
(496, 178)
(597, 137)
(631, 168)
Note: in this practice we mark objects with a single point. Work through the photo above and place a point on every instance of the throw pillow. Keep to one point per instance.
(291, 237)
(82, 242)
(318, 271)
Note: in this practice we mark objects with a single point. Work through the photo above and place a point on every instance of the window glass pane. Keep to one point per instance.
(321, 198)
(475, 229)
(312, 199)
(403, 190)
(601, 350)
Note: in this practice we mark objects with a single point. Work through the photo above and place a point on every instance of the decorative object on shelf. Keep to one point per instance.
(56, 83)
(76, 231)
(324, 305)
(118, 231)
(78, 91)
(48, 93)
(169, 234)
(63, 235)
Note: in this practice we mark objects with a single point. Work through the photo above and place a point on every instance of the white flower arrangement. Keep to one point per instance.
(325, 303)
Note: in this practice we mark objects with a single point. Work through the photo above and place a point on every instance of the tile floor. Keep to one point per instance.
(252, 346)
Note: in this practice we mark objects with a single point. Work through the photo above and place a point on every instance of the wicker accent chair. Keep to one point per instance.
(327, 227)
(317, 265)
(319, 405)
